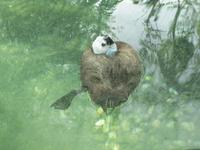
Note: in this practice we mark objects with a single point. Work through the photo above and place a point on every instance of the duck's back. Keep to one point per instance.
(110, 80)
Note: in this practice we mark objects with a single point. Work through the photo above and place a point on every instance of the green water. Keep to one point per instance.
(41, 43)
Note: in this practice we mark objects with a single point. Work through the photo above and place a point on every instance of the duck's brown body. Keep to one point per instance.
(110, 80)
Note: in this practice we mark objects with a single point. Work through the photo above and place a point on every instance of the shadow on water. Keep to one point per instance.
(41, 44)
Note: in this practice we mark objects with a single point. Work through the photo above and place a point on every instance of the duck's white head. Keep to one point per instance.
(104, 45)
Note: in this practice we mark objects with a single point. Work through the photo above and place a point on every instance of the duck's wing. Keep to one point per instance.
(92, 75)
(127, 68)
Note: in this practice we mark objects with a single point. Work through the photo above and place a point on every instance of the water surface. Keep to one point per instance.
(41, 43)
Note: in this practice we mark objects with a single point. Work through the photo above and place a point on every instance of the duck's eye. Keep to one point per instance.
(103, 44)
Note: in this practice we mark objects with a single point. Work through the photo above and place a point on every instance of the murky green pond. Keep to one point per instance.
(41, 43)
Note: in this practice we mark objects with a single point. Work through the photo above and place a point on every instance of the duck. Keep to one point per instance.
(109, 71)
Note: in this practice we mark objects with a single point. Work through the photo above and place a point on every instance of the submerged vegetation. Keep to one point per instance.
(40, 46)
(176, 50)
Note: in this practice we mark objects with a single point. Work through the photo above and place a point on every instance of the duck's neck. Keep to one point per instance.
(112, 50)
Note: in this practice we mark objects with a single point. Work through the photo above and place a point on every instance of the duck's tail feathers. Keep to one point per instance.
(65, 101)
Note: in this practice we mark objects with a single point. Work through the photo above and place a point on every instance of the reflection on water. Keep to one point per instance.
(41, 44)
